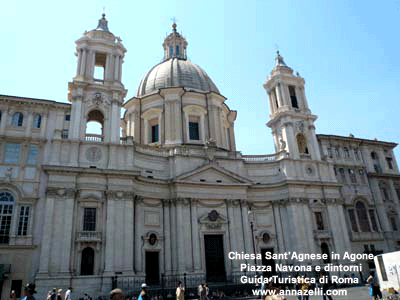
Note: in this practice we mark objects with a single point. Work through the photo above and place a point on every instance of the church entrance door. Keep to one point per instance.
(152, 268)
(215, 261)
(268, 262)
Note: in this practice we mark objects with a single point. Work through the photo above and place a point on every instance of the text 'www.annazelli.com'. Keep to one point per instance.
(312, 292)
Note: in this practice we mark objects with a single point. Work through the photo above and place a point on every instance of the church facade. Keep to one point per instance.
(163, 192)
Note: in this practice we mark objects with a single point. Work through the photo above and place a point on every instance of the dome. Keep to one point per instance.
(175, 72)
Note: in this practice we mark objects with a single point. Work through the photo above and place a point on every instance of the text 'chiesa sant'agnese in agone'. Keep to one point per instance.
(171, 194)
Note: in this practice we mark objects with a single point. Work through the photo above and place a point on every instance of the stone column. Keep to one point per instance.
(303, 96)
(47, 240)
(233, 233)
(278, 228)
(195, 237)
(288, 136)
(82, 70)
(110, 234)
(67, 230)
(180, 239)
(285, 95)
(174, 248)
(92, 63)
(343, 225)
(113, 134)
(4, 120)
(172, 128)
(28, 124)
(279, 95)
(116, 67)
(138, 238)
(121, 60)
(78, 67)
(167, 237)
(248, 243)
(314, 143)
(76, 117)
(108, 72)
(272, 102)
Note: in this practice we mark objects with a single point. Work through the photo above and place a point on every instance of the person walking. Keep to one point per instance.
(180, 291)
(67, 295)
(143, 294)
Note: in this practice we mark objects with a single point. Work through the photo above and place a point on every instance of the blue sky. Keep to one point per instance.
(347, 51)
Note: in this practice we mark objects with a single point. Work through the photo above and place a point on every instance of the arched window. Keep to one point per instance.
(17, 119)
(171, 51)
(362, 216)
(177, 51)
(7, 202)
(87, 262)
(325, 250)
(302, 144)
(37, 120)
(94, 126)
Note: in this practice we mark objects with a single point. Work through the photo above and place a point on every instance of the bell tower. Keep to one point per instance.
(291, 120)
(96, 91)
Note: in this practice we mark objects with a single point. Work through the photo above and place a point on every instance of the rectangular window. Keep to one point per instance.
(89, 219)
(373, 220)
(330, 153)
(32, 154)
(67, 117)
(273, 95)
(342, 175)
(22, 228)
(64, 134)
(319, 220)
(353, 178)
(11, 154)
(356, 155)
(194, 131)
(337, 152)
(389, 162)
(382, 268)
(100, 66)
(154, 133)
(293, 98)
(398, 192)
(362, 176)
(385, 194)
(6, 211)
(353, 221)
(393, 223)
(346, 152)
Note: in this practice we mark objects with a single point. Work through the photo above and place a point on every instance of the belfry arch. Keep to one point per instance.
(95, 126)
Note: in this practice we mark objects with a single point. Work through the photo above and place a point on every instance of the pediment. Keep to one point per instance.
(213, 174)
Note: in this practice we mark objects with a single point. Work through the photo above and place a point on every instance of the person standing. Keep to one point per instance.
(371, 284)
(53, 295)
(59, 294)
(29, 290)
(13, 295)
(116, 294)
(180, 291)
